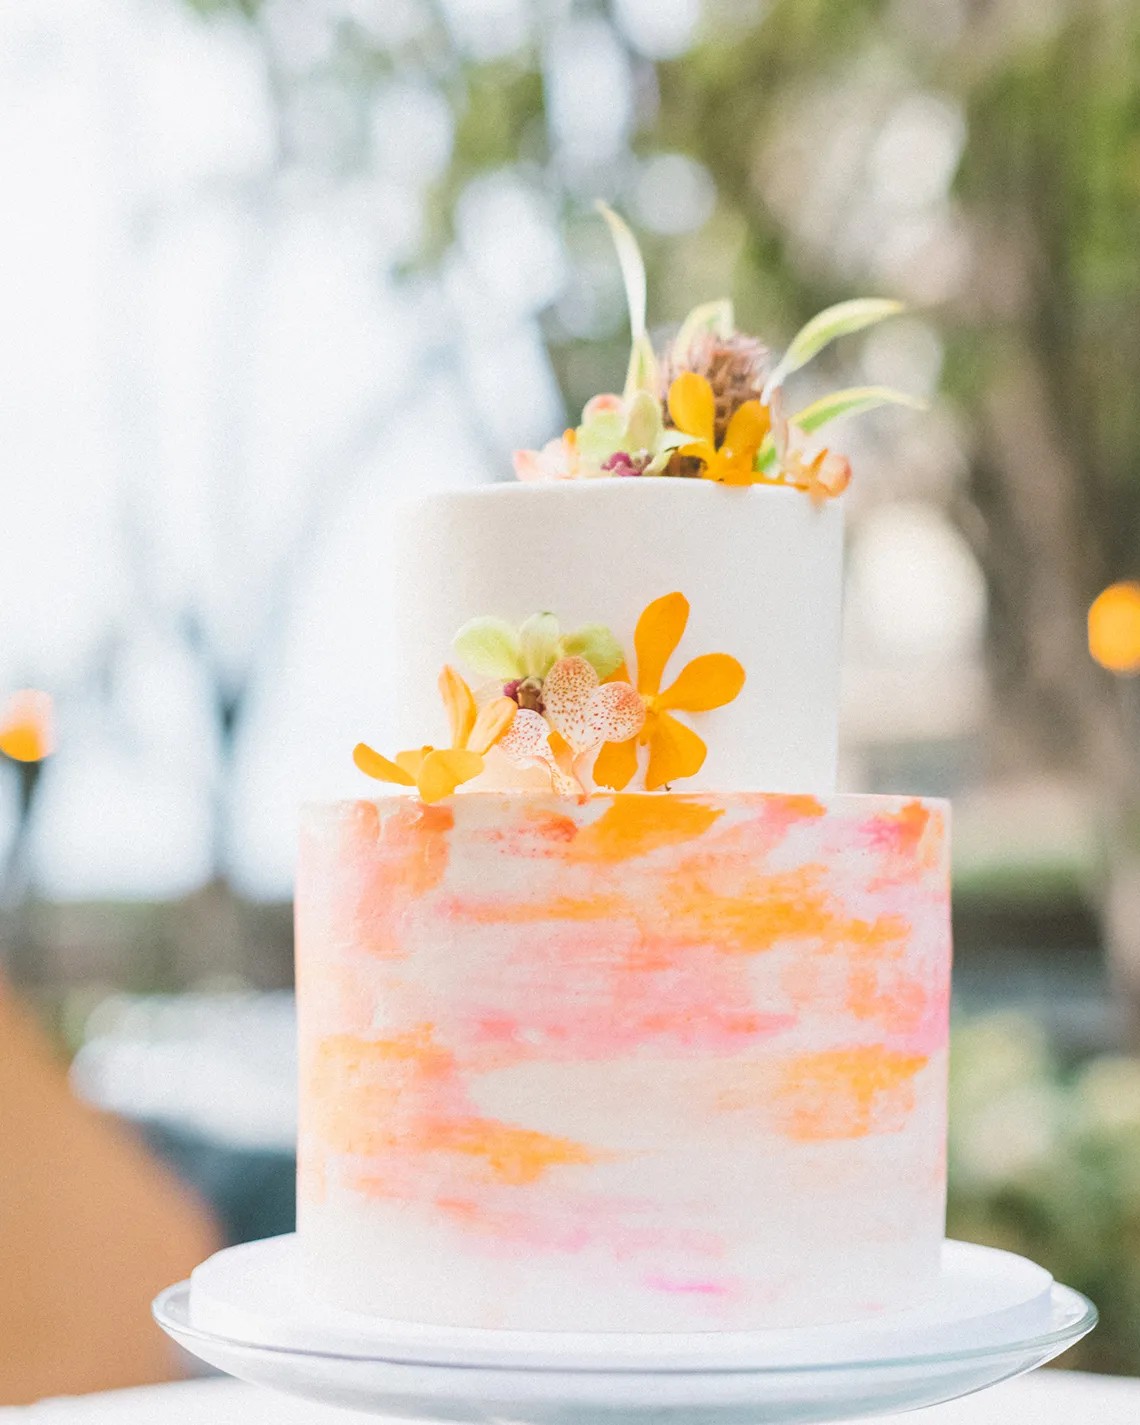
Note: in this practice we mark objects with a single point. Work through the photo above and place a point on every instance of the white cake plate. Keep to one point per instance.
(994, 1316)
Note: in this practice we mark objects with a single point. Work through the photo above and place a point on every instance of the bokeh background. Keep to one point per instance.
(267, 265)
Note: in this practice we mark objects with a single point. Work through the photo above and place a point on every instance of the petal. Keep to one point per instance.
(538, 644)
(528, 465)
(557, 460)
(707, 682)
(412, 760)
(616, 713)
(372, 764)
(823, 328)
(492, 721)
(616, 765)
(739, 470)
(490, 646)
(692, 405)
(460, 704)
(781, 430)
(606, 404)
(566, 695)
(834, 473)
(525, 739)
(596, 644)
(747, 428)
(658, 633)
(675, 751)
(600, 436)
(644, 426)
(565, 783)
(526, 743)
(446, 769)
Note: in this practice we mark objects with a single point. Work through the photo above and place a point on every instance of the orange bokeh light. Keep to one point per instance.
(27, 726)
(1114, 628)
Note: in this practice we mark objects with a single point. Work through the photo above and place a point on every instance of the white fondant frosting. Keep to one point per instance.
(761, 567)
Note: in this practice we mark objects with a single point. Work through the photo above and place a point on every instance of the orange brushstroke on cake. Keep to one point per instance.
(634, 825)
(846, 1093)
(709, 900)
(550, 826)
(910, 841)
(417, 841)
(374, 867)
(387, 1099)
(499, 911)
(886, 996)
(515, 1156)
(787, 810)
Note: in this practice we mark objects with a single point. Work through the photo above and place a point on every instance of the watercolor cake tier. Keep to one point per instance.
(613, 1014)
(654, 1063)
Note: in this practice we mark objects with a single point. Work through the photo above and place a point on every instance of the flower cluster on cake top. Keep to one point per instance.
(566, 704)
(711, 404)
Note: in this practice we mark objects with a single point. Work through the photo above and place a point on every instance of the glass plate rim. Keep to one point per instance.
(1058, 1337)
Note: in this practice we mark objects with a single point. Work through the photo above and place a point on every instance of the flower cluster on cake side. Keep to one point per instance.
(567, 703)
(710, 405)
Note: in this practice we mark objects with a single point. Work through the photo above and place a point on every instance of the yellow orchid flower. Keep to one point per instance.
(692, 408)
(436, 771)
(705, 683)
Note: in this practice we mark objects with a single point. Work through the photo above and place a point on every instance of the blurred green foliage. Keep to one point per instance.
(1045, 1162)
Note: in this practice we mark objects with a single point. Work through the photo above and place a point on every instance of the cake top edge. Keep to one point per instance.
(709, 404)
(806, 803)
(612, 487)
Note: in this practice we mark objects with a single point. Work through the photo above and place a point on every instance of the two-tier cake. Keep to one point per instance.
(613, 1015)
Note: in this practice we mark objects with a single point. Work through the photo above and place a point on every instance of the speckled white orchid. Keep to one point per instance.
(580, 715)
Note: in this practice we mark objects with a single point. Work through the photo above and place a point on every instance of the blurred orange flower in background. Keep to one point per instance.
(27, 726)
(1114, 628)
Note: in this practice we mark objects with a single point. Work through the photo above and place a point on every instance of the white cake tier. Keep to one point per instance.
(638, 1063)
(761, 568)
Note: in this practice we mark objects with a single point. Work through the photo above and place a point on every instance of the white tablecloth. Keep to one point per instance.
(1047, 1398)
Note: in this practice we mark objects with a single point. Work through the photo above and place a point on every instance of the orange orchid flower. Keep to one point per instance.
(692, 408)
(824, 474)
(707, 682)
(435, 772)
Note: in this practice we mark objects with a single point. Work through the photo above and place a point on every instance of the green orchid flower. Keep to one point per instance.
(494, 648)
(624, 426)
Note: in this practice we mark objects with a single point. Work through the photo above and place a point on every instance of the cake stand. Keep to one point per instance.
(993, 1316)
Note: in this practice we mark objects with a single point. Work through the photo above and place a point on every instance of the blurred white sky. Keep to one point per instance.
(212, 391)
